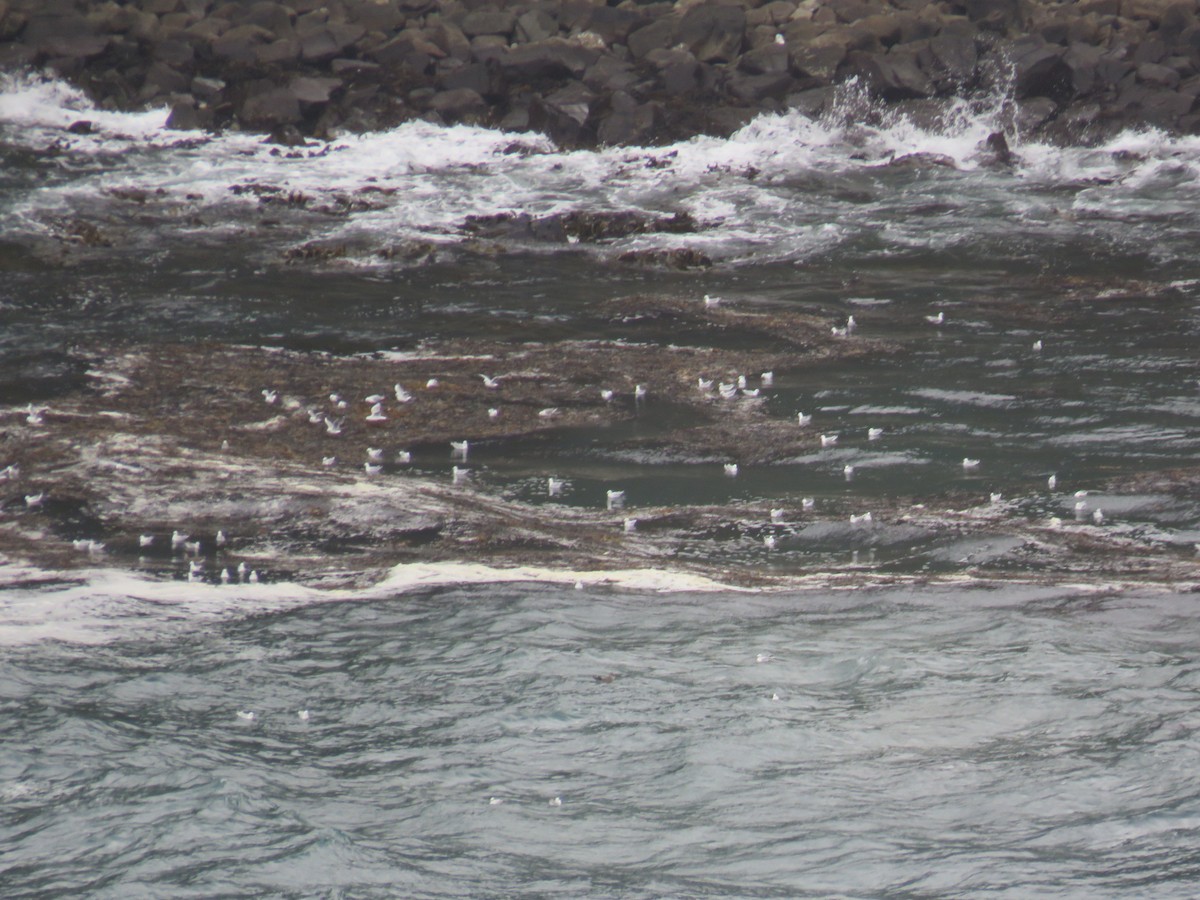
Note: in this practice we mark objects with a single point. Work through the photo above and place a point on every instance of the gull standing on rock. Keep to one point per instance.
(615, 499)
(828, 440)
(803, 418)
(939, 319)
(554, 486)
(402, 396)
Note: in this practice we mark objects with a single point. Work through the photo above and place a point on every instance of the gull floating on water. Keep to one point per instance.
(490, 382)
(554, 486)
(221, 538)
(556, 801)
(731, 469)
(145, 540)
(996, 498)
(328, 461)
(375, 453)
(549, 412)
(35, 416)
(969, 463)
(403, 457)
(35, 500)
(494, 801)
(1081, 493)
(1037, 345)
(763, 657)
(848, 471)
(828, 440)
(874, 434)
(493, 413)
(372, 469)
(606, 394)
(864, 519)
(270, 396)
(639, 392)
(851, 324)
(630, 525)
(752, 392)
(727, 391)
(769, 541)
(245, 715)
(741, 382)
(303, 715)
(460, 448)
(768, 378)
(458, 476)
(939, 319)
(1098, 516)
(803, 418)
(615, 499)
(178, 539)
(711, 302)
(808, 503)
(1052, 482)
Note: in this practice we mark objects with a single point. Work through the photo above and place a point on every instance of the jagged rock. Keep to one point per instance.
(329, 41)
(1039, 70)
(536, 25)
(240, 42)
(553, 58)
(183, 117)
(892, 76)
(267, 105)
(820, 58)
(489, 21)
(457, 105)
(769, 60)
(713, 33)
(313, 90)
(615, 24)
(658, 35)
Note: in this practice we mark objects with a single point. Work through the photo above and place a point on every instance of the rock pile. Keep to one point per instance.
(587, 72)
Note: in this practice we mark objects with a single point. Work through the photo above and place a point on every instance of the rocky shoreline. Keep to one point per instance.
(588, 73)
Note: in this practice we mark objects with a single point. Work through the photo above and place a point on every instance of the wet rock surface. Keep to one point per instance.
(587, 73)
(261, 457)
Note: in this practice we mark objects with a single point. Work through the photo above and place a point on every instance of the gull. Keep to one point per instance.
(178, 540)
(1052, 482)
(253, 579)
(432, 383)
(315, 417)
(489, 382)
(270, 396)
(377, 409)
(851, 324)
(839, 332)
(549, 412)
(81, 544)
(969, 464)
(459, 448)
(615, 499)
(808, 503)
(1037, 345)
(493, 413)
(192, 547)
(639, 392)
(731, 469)
(375, 453)
(777, 515)
(556, 801)
(711, 302)
(1080, 506)
(775, 696)
(403, 457)
(225, 576)
(33, 501)
(1081, 493)
(752, 393)
(241, 569)
(848, 471)
(35, 416)
(828, 440)
(763, 657)
(303, 715)
(245, 715)
(874, 434)
(332, 426)
(996, 498)
(402, 396)
(554, 486)
(727, 391)
(803, 418)
(630, 525)
(221, 538)
(1055, 522)
(781, 40)
(193, 577)
(768, 378)
(342, 404)
(376, 415)
(328, 461)
(335, 398)
(864, 519)
(704, 384)
(145, 540)
(939, 319)
(606, 394)
(494, 801)
(195, 567)
(741, 382)
(372, 470)
(1098, 516)
(10, 473)
(769, 542)
(458, 476)
(374, 399)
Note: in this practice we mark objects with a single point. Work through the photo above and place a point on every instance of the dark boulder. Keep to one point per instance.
(713, 33)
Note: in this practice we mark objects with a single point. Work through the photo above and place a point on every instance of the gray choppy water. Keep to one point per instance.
(993, 739)
(894, 742)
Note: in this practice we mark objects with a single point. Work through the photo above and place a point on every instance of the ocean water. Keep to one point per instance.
(910, 712)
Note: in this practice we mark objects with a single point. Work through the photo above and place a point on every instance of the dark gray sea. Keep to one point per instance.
(921, 731)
